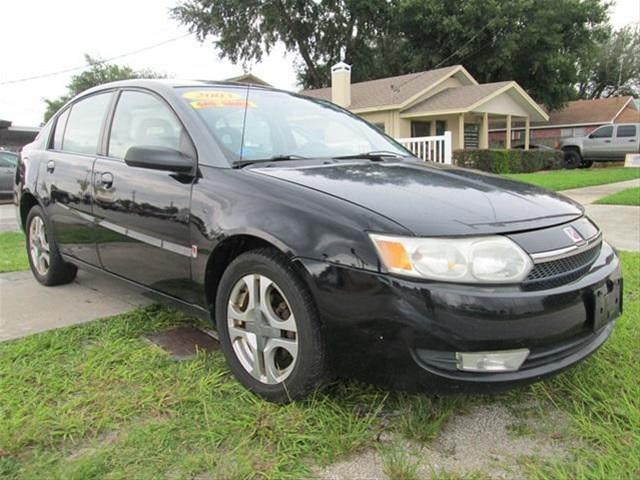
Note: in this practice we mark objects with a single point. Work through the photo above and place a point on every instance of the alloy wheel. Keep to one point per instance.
(262, 329)
(39, 246)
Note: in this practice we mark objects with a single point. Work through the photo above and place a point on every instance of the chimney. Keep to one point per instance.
(341, 84)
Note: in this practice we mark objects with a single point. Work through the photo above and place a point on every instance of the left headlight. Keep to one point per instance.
(491, 259)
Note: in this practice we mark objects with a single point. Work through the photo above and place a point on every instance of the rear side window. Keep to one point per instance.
(58, 132)
(142, 119)
(603, 132)
(626, 131)
(83, 126)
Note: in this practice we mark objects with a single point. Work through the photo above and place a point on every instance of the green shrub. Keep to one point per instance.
(508, 161)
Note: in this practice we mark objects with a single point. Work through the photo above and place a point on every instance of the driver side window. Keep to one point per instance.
(603, 132)
(142, 119)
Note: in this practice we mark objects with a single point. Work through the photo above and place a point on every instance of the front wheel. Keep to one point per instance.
(47, 265)
(269, 328)
(572, 159)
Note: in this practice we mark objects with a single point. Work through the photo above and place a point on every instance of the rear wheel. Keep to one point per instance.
(47, 265)
(268, 327)
(572, 159)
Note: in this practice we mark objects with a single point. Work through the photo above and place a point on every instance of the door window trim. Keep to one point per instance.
(112, 112)
(69, 107)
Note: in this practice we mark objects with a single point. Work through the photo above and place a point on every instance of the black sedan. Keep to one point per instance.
(317, 246)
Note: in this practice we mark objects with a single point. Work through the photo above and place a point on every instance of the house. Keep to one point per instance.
(577, 119)
(431, 102)
(14, 137)
(248, 78)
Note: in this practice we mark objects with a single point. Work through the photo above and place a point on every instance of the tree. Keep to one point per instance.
(614, 69)
(322, 32)
(99, 72)
(537, 43)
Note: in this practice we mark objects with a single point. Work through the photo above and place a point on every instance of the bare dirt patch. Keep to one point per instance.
(490, 440)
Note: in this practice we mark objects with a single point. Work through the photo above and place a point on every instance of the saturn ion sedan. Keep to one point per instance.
(317, 246)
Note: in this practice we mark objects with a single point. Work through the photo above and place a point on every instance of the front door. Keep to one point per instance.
(64, 179)
(142, 215)
(599, 143)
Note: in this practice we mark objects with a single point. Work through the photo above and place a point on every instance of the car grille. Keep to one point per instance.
(553, 273)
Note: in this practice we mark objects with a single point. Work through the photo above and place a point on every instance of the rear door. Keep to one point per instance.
(599, 143)
(64, 180)
(626, 140)
(143, 215)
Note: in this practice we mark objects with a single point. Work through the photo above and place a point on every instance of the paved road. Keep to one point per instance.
(8, 221)
(27, 307)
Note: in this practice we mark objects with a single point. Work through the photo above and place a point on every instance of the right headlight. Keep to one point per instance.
(490, 259)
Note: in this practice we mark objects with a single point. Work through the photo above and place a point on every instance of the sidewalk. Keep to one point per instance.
(619, 223)
(26, 307)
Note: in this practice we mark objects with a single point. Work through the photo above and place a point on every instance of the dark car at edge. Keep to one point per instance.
(317, 246)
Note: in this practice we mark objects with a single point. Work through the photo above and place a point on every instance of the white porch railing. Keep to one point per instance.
(435, 148)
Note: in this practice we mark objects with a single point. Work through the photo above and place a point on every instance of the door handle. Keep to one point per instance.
(607, 141)
(106, 180)
(51, 166)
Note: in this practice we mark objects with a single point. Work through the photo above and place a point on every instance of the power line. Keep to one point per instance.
(67, 70)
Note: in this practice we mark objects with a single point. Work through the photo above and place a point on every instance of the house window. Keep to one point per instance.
(441, 126)
(471, 135)
(579, 132)
(379, 126)
(566, 132)
(420, 129)
(516, 135)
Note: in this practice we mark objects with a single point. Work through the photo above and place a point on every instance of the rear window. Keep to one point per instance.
(626, 131)
(8, 159)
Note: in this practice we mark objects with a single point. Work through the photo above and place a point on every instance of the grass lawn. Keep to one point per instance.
(13, 255)
(568, 179)
(98, 401)
(630, 196)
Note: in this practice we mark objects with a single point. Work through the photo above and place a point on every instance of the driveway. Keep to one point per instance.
(27, 307)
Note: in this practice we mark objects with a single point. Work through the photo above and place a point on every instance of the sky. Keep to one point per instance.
(39, 37)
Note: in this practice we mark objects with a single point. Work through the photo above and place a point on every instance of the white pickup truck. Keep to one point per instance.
(609, 142)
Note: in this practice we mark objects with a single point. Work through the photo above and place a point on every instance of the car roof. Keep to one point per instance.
(164, 83)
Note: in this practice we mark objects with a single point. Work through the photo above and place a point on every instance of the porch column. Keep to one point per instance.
(461, 131)
(526, 133)
(507, 143)
(484, 131)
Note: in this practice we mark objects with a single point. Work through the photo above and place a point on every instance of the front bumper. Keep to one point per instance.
(404, 333)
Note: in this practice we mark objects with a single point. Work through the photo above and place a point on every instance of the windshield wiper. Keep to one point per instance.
(275, 158)
(377, 155)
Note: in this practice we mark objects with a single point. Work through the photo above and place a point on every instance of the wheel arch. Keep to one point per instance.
(27, 201)
(227, 250)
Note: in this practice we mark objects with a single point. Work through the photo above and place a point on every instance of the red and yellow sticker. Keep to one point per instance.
(216, 99)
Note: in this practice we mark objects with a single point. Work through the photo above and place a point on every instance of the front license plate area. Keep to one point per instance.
(607, 303)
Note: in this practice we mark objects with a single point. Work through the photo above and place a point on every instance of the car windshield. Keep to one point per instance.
(253, 124)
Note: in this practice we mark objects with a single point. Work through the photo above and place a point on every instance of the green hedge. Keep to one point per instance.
(508, 161)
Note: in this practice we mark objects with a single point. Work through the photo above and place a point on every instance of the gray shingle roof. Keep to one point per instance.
(456, 98)
(387, 91)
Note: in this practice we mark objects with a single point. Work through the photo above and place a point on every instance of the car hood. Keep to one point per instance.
(434, 200)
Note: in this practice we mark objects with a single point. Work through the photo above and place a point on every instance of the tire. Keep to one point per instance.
(293, 359)
(45, 261)
(586, 164)
(572, 159)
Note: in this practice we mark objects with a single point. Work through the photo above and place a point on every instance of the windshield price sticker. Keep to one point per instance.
(216, 99)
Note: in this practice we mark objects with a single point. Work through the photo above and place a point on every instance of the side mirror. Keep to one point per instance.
(158, 158)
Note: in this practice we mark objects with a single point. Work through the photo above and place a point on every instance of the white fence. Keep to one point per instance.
(435, 149)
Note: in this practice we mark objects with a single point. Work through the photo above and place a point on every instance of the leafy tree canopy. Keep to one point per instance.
(614, 69)
(97, 73)
(537, 43)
